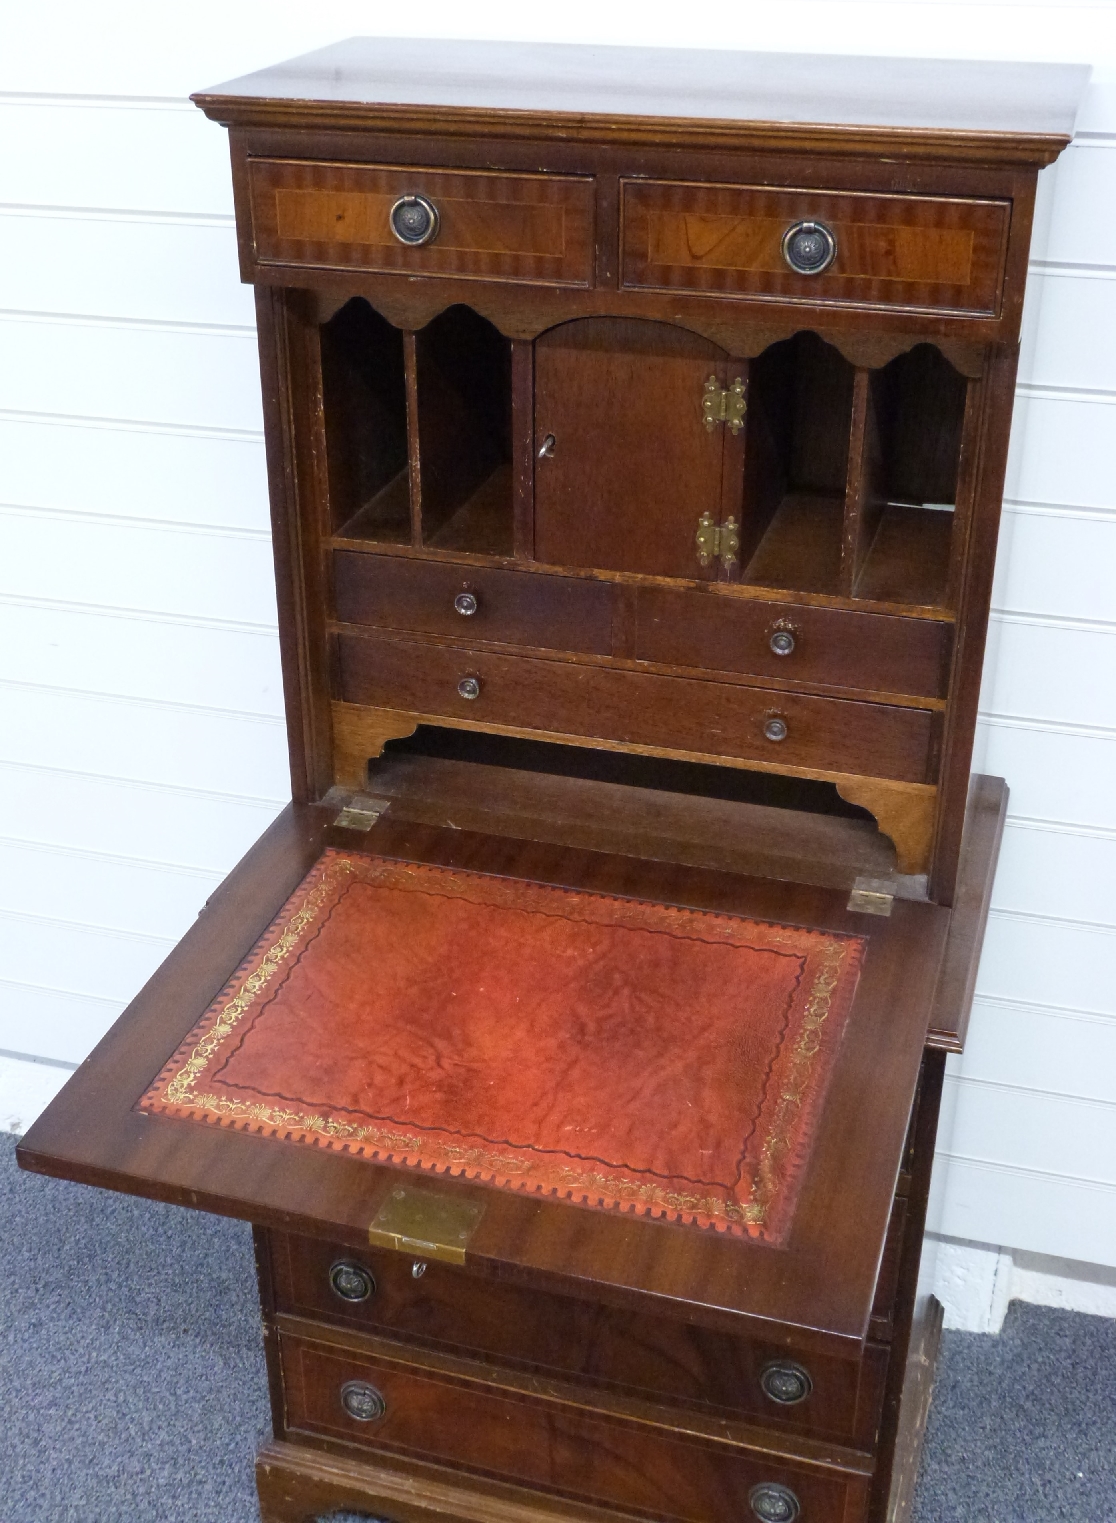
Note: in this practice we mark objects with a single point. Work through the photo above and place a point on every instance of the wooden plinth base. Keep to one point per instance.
(298, 1485)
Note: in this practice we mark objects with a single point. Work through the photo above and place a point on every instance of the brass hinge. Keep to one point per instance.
(420, 1222)
(872, 896)
(361, 812)
(719, 405)
(717, 541)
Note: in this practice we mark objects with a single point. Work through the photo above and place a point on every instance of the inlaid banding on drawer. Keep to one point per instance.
(676, 1362)
(483, 1425)
(778, 729)
(489, 226)
(727, 240)
(483, 603)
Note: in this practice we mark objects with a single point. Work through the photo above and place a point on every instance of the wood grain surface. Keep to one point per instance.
(495, 227)
(822, 1282)
(891, 250)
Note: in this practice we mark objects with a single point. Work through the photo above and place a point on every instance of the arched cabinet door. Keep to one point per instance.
(638, 443)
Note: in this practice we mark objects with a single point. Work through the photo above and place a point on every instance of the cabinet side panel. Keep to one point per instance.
(998, 387)
(290, 373)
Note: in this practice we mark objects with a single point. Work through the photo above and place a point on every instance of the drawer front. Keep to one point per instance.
(510, 607)
(925, 252)
(876, 652)
(671, 1361)
(635, 708)
(489, 226)
(561, 1445)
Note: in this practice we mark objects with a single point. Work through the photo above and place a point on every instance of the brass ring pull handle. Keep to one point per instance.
(772, 1503)
(775, 728)
(786, 1381)
(414, 220)
(351, 1281)
(465, 603)
(362, 1401)
(469, 687)
(809, 247)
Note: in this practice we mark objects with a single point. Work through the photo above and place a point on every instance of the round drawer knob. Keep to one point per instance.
(352, 1282)
(773, 1503)
(469, 687)
(414, 220)
(775, 728)
(782, 642)
(465, 603)
(809, 247)
(365, 1403)
(786, 1382)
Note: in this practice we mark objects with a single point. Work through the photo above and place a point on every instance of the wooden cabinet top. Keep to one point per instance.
(959, 109)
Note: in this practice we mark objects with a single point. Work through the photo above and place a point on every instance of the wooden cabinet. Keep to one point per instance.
(636, 427)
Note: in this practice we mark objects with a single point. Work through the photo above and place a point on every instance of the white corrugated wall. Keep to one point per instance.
(141, 740)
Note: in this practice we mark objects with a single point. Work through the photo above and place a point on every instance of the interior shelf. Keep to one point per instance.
(796, 455)
(902, 506)
(463, 405)
(801, 547)
(908, 560)
(482, 525)
(418, 431)
(364, 397)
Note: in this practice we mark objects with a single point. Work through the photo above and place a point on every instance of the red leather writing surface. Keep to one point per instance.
(610, 1052)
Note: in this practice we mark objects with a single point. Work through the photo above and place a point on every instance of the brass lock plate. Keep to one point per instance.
(425, 1224)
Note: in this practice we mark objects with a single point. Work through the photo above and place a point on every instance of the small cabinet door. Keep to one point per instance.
(626, 463)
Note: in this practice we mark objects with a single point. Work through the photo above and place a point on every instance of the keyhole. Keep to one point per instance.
(546, 448)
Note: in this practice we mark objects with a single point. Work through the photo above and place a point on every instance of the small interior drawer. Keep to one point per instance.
(439, 598)
(547, 1436)
(482, 226)
(930, 252)
(874, 652)
(676, 1362)
(780, 729)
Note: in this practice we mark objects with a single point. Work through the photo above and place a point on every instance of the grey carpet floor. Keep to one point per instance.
(132, 1385)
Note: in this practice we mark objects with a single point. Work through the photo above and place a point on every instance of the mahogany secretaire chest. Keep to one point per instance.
(636, 426)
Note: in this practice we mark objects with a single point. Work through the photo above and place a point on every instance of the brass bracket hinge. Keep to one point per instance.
(719, 405)
(717, 541)
(417, 1221)
(872, 896)
(361, 812)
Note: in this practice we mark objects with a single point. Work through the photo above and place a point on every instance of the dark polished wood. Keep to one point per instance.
(492, 227)
(726, 240)
(635, 708)
(873, 652)
(678, 560)
(298, 1483)
(1006, 112)
(822, 1283)
(539, 1432)
(508, 608)
(674, 1362)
